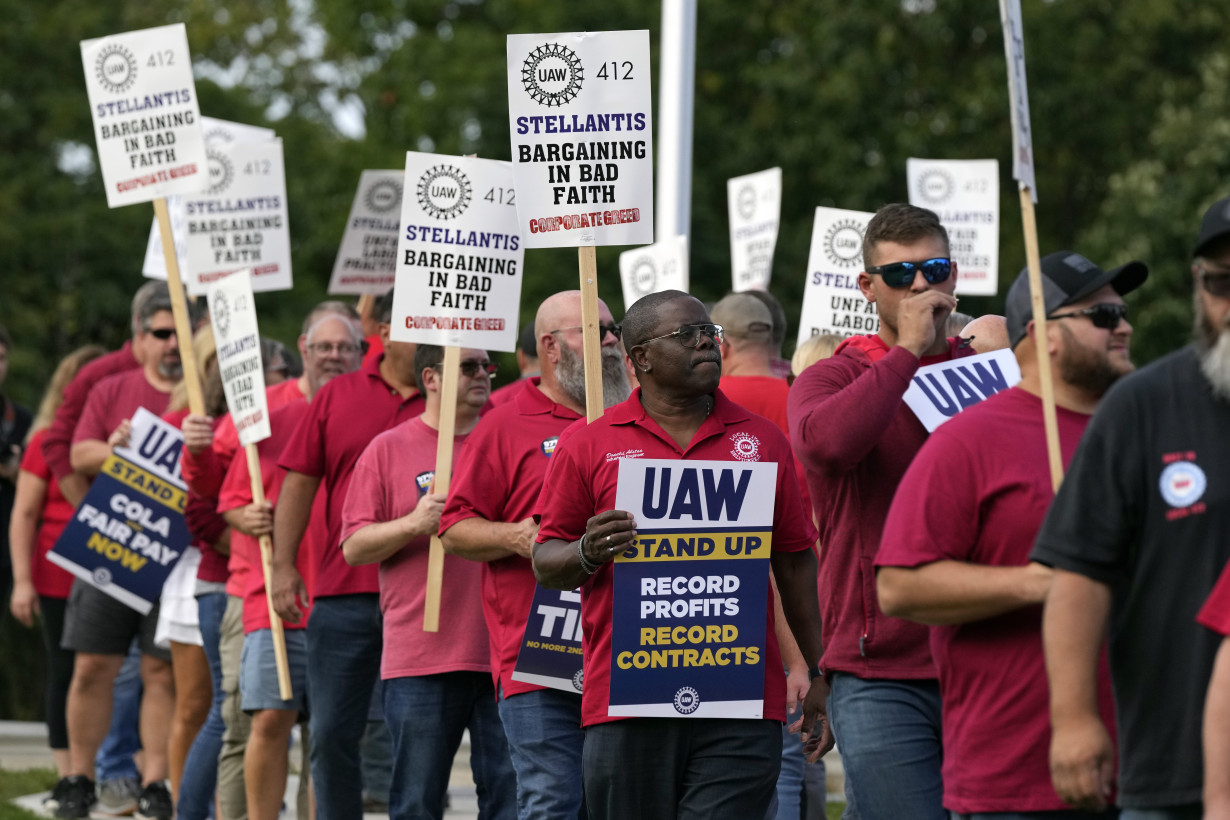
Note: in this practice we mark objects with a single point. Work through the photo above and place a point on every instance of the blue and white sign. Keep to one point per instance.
(551, 648)
(940, 391)
(690, 599)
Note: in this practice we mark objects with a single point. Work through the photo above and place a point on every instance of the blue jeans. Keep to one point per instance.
(787, 801)
(546, 742)
(1065, 814)
(344, 643)
(426, 716)
(376, 750)
(196, 789)
(114, 758)
(888, 732)
(1192, 812)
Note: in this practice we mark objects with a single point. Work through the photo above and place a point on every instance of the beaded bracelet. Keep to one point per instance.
(586, 566)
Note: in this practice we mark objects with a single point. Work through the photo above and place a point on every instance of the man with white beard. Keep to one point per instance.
(1137, 537)
(487, 518)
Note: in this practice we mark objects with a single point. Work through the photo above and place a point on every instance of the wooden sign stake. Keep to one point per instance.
(179, 309)
(592, 334)
(444, 476)
(275, 621)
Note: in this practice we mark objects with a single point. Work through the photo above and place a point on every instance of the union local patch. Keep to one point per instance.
(1182, 484)
(548, 446)
(746, 447)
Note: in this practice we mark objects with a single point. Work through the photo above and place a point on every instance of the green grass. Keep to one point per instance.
(833, 810)
(17, 783)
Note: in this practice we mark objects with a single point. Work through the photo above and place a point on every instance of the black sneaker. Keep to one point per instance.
(74, 796)
(154, 803)
(52, 801)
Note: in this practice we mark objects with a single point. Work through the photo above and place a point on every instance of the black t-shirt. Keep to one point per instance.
(1145, 509)
(14, 424)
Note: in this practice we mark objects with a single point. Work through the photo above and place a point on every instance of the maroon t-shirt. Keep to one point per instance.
(58, 442)
(977, 492)
(1215, 614)
(855, 437)
(116, 398)
(498, 477)
(342, 419)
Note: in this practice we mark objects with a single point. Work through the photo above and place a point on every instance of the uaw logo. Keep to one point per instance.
(644, 275)
(746, 447)
(1182, 484)
(745, 203)
(383, 196)
(221, 171)
(578, 680)
(102, 576)
(116, 68)
(424, 481)
(220, 313)
(548, 446)
(444, 192)
(219, 134)
(552, 75)
(935, 186)
(843, 243)
(687, 700)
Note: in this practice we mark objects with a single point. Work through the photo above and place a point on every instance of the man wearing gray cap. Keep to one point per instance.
(956, 543)
(1137, 537)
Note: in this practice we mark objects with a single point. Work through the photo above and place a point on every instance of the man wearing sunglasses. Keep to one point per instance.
(856, 437)
(956, 544)
(1137, 537)
(436, 684)
(488, 519)
(674, 767)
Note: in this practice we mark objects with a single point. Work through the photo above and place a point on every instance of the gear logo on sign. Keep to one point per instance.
(218, 134)
(220, 314)
(444, 192)
(843, 243)
(384, 196)
(552, 75)
(102, 576)
(745, 203)
(746, 447)
(221, 171)
(935, 186)
(644, 275)
(687, 700)
(116, 68)
(578, 680)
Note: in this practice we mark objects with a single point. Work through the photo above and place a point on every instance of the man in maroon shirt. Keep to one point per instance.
(97, 627)
(488, 518)
(344, 633)
(855, 437)
(955, 549)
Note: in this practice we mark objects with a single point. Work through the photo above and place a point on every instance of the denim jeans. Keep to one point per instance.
(426, 716)
(114, 759)
(788, 797)
(546, 742)
(376, 751)
(196, 789)
(1067, 814)
(344, 644)
(888, 732)
(1193, 812)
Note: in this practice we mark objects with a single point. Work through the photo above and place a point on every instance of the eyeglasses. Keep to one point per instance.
(690, 335)
(1216, 283)
(901, 274)
(613, 329)
(341, 348)
(1105, 315)
(162, 333)
(474, 367)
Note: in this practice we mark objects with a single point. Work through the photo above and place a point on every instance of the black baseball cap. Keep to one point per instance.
(1067, 277)
(1214, 226)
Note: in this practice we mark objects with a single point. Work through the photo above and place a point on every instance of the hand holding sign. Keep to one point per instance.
(607, 535)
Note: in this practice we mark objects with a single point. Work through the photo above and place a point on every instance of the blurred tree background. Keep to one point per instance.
(1128, 99)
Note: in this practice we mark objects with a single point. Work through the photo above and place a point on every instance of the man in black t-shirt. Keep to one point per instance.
(14, 424)
(1137, 536)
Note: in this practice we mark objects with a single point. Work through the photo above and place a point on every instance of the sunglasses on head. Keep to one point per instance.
(901, 274)
(162, 333)
(1104, 315)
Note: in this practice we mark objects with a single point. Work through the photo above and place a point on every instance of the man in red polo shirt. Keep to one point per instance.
(672, 767)
(343, 636)
(98, 627)
(855, 437)
(488, 518)
(956, 544)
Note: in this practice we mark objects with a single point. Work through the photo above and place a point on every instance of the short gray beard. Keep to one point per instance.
(1214, 346)
(570, 373)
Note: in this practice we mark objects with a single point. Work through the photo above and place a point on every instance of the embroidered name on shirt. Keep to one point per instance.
(624, 454)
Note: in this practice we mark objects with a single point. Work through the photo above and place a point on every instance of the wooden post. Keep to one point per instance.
(444, 476)
(366, 302)
(275, 621)
(179, 309)
(592, 335)
(1049, 419)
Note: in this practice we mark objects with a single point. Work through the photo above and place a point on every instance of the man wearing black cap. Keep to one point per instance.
(956, 543)
(1137, 537)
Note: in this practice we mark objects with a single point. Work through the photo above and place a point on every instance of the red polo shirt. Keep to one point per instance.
(342, 419)
(587, 463)
(498, 477)
(59, 439)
